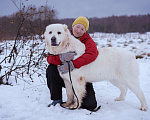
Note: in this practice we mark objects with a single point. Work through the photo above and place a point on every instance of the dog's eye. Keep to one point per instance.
(58, 33)
(50, 32)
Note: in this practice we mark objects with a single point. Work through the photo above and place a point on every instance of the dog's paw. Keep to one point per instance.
(73, 106)
(119, 99)
(65, 105)
(144, 108)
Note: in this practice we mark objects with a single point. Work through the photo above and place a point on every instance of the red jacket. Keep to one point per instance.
(89, 56)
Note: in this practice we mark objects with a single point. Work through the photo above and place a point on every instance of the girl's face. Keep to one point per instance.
(78, 30)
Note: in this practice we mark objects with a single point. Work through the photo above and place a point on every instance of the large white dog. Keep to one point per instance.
(116, 65)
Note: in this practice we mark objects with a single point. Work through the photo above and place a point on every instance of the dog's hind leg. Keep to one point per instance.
(138, 92)
(79, 89)
(123, 90)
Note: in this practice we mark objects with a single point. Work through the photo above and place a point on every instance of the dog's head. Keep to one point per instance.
(56, 36)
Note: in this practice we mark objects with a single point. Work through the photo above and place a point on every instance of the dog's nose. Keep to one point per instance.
(53, 39)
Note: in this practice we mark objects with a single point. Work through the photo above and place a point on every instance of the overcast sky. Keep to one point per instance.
(88, 8)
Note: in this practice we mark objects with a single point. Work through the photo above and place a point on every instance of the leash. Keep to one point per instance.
(72, 89)
(95, 110)
(72, 86)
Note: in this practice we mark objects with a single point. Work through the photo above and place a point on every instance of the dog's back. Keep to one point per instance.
(111, 63)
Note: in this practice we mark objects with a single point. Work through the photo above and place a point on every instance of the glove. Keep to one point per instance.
(67, 56)
(64, 68)
(53, 59)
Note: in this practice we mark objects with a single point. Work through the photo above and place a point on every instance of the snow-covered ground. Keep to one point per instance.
(24, 101)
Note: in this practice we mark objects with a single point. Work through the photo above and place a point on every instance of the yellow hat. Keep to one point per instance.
(82, 20)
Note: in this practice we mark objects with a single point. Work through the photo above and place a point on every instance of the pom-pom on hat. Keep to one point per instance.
(82, 20)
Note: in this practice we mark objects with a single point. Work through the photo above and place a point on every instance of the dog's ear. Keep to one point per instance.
(45, 31)
(65, 27)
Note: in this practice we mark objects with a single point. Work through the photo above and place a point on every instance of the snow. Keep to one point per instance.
(23, 101)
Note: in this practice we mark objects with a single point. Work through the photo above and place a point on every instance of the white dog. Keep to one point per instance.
(116, 65)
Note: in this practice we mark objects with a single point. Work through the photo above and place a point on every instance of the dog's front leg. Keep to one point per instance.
(70, 94)
(79, 89)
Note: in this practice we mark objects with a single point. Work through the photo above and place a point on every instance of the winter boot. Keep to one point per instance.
(55, 102)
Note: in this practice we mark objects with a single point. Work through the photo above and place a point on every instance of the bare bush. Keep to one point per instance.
(26, 55)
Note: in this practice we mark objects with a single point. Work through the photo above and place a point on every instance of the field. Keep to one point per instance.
(27, 96)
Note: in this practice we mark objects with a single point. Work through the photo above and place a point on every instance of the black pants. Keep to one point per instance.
(55, 84)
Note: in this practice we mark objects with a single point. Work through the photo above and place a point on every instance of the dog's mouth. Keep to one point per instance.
(55, 44)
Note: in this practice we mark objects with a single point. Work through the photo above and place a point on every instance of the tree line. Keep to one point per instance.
(117, 24)
(35, 20)
(121, 24)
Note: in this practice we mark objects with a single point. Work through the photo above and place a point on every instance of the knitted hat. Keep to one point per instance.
(82, 20)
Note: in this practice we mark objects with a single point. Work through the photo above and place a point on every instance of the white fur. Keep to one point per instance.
(116, 65)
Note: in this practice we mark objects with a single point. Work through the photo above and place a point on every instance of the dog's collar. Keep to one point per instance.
(51, 54)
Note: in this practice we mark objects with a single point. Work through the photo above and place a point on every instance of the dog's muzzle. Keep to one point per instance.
(53, 41)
